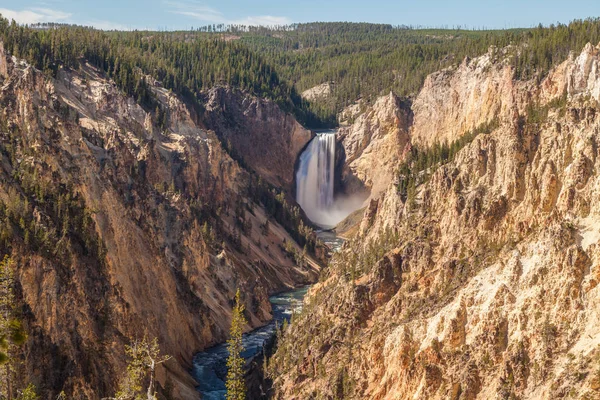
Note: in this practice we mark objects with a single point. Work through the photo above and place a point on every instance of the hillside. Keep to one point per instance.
(365, 61)
(362, 61)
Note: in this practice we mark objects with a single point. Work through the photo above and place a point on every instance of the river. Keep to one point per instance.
(210, 366)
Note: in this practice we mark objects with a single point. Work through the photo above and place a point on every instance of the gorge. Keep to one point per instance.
(210, 366)
(426, 202)
(315, 194)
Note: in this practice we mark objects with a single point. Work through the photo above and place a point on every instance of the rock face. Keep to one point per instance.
(456, 100)
(373, 144)
(128, 230)
(348, 114)
(318, 92)
(485, 287)
(576, 76)
(266, 138)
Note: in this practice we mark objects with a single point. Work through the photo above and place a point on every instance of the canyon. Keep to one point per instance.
(445, 240)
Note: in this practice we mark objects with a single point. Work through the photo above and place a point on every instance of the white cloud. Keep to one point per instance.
(107, 25)
(263, 20)
(35, 15)
(189, 8)
(196, 11)
(209, 15)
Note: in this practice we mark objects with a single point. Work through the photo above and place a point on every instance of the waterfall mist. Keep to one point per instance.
(315, 183)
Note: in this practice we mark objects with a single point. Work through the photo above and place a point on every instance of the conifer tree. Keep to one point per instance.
(236, 385)
(12, 333)
(28, 393)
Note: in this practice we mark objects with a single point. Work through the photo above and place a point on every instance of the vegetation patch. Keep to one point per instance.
(419, 164)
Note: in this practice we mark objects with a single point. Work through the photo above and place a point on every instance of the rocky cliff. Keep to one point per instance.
(485, 285)
(373, 144)
(118, 228)
(456, 100)
(266, 138)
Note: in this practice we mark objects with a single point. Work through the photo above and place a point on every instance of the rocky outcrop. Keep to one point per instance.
(118, 229)
(578, 75)
(486, 286)
(319, 92)
(456, 100)
(451, 103)
(348, 115)
(267, 139)
(374, 143)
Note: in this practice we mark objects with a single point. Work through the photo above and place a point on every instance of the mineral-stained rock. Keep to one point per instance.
(267, 139)
(498, 295)
(122, 224)
(374, 143)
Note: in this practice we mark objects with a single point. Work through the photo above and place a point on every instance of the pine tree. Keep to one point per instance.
(12, 333)
(28, 393)
(236, 385)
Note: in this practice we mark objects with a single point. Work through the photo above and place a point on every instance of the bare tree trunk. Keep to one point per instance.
(151, 385)
(8, 388)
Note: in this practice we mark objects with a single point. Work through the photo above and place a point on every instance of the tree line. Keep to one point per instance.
(367, 60)
(362, 60)
(135, 60)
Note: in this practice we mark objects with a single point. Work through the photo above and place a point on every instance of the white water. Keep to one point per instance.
(315, 181)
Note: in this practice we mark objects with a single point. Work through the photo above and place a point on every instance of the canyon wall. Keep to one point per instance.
(459, 99)
(373, 144)
(259, 132)
(119, 229)
(485, 285)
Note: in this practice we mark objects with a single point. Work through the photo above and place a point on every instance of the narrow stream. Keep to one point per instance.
(210, 366)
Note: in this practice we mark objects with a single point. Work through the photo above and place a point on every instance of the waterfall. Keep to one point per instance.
(315, 179)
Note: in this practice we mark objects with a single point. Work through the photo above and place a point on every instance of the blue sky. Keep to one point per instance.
(183, 14)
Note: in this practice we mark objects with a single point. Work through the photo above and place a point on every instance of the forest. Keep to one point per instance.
(362, 61)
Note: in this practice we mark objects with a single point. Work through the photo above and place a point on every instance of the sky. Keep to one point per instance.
(184, 14)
